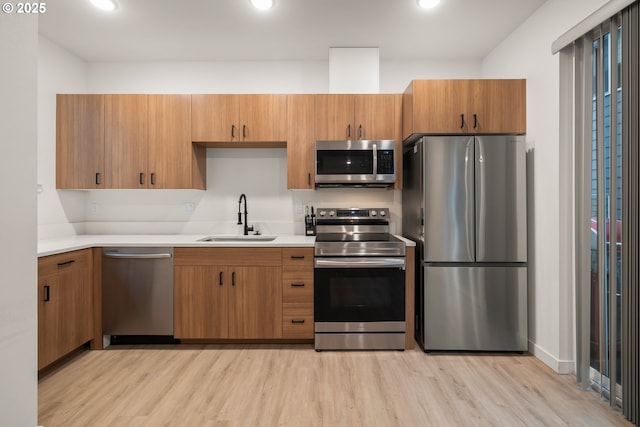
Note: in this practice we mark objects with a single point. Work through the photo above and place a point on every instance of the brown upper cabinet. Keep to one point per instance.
(239, 118)
(126, 137)
(301, 141)
(174, 162)
(80, 141)
(341, 117)
(464, 106)
(127, 141)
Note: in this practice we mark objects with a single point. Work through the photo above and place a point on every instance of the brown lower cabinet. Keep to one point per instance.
(227, 293)
(65, 304)
(297, 293)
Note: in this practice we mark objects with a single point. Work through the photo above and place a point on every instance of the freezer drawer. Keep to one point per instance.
(475, 308)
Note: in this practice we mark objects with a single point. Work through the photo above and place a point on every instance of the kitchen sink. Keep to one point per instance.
(239, 238)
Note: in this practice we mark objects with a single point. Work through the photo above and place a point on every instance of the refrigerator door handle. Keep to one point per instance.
(470, 216)
(481, 208)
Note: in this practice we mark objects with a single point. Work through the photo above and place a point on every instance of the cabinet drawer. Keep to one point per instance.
(297, 321)
(228, 256)
(53, 264)
(297, 288)
(297, 259)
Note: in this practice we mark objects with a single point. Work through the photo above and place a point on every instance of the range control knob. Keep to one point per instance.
(332, 213)
(322, 213)
(374, 213)
(383, 213)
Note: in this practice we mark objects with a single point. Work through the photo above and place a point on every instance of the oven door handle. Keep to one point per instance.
(360, 262)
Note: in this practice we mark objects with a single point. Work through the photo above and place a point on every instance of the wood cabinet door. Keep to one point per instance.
(173, 159)
(441, 106)
(499, 106)
(126, 141)
(65, 315)
(200, 301)
(263, 118)
(215, 118)
(255, 304)
(334, 117)
(301, 142)
(79, 141)
(375, 117)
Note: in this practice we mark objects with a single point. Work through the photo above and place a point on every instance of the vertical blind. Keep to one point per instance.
(595, 176)
(631, 212)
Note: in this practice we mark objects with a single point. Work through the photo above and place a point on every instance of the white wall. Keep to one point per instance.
(60, 213)
(18, 298)
(527, 53)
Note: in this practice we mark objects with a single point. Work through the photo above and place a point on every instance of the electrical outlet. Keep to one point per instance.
(189, 207)
(94, 208)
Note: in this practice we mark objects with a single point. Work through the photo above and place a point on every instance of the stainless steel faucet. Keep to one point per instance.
(247, 227)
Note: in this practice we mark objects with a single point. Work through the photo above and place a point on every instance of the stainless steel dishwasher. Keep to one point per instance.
(137, 294)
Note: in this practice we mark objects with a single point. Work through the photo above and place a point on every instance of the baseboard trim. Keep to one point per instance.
(560, 366)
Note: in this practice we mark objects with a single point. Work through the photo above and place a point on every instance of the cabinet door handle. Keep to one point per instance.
(153, 178)
(64, 264)
(360, 132)
(297, 285)
(221, 278)
(46, 293)
(233, 131)
(349, 131)
(475, 121)
(141, 178)
(244, 131)
(297, 321)
(309, 179)
(97, 178)
(297, 256)
(233, 278)
(461, 121)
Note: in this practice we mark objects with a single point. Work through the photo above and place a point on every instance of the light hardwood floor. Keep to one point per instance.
(292, 385)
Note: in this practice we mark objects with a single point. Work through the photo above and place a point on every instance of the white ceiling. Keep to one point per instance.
(231, 30)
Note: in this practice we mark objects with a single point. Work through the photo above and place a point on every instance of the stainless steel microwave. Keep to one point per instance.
(355, 163)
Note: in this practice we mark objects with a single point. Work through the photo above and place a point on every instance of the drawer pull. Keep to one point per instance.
(64, 264)
(221, 278)
(297, 321)
(297, 256)
(297, 285)
(46, 293)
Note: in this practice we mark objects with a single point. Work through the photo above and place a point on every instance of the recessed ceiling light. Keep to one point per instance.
(108, 5)
(428, 4)
(262, 4)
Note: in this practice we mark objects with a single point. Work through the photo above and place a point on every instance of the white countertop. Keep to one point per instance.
(66, 244)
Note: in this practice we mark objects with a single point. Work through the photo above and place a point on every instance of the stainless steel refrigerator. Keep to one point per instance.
(464, 203)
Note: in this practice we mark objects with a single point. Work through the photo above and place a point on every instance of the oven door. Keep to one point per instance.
(358, 291)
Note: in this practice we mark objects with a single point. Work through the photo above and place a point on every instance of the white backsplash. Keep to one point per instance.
(261, 174)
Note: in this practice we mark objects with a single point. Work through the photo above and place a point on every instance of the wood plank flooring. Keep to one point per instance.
(292, 385)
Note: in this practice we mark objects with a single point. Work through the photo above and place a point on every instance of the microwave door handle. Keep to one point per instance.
(375, 162)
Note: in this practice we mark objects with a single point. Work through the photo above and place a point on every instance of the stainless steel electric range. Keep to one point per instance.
(359, 281)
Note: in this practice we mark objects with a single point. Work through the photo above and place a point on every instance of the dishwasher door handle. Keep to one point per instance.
(136, 256)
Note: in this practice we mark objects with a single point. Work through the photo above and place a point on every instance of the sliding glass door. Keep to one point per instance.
(605, 222)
